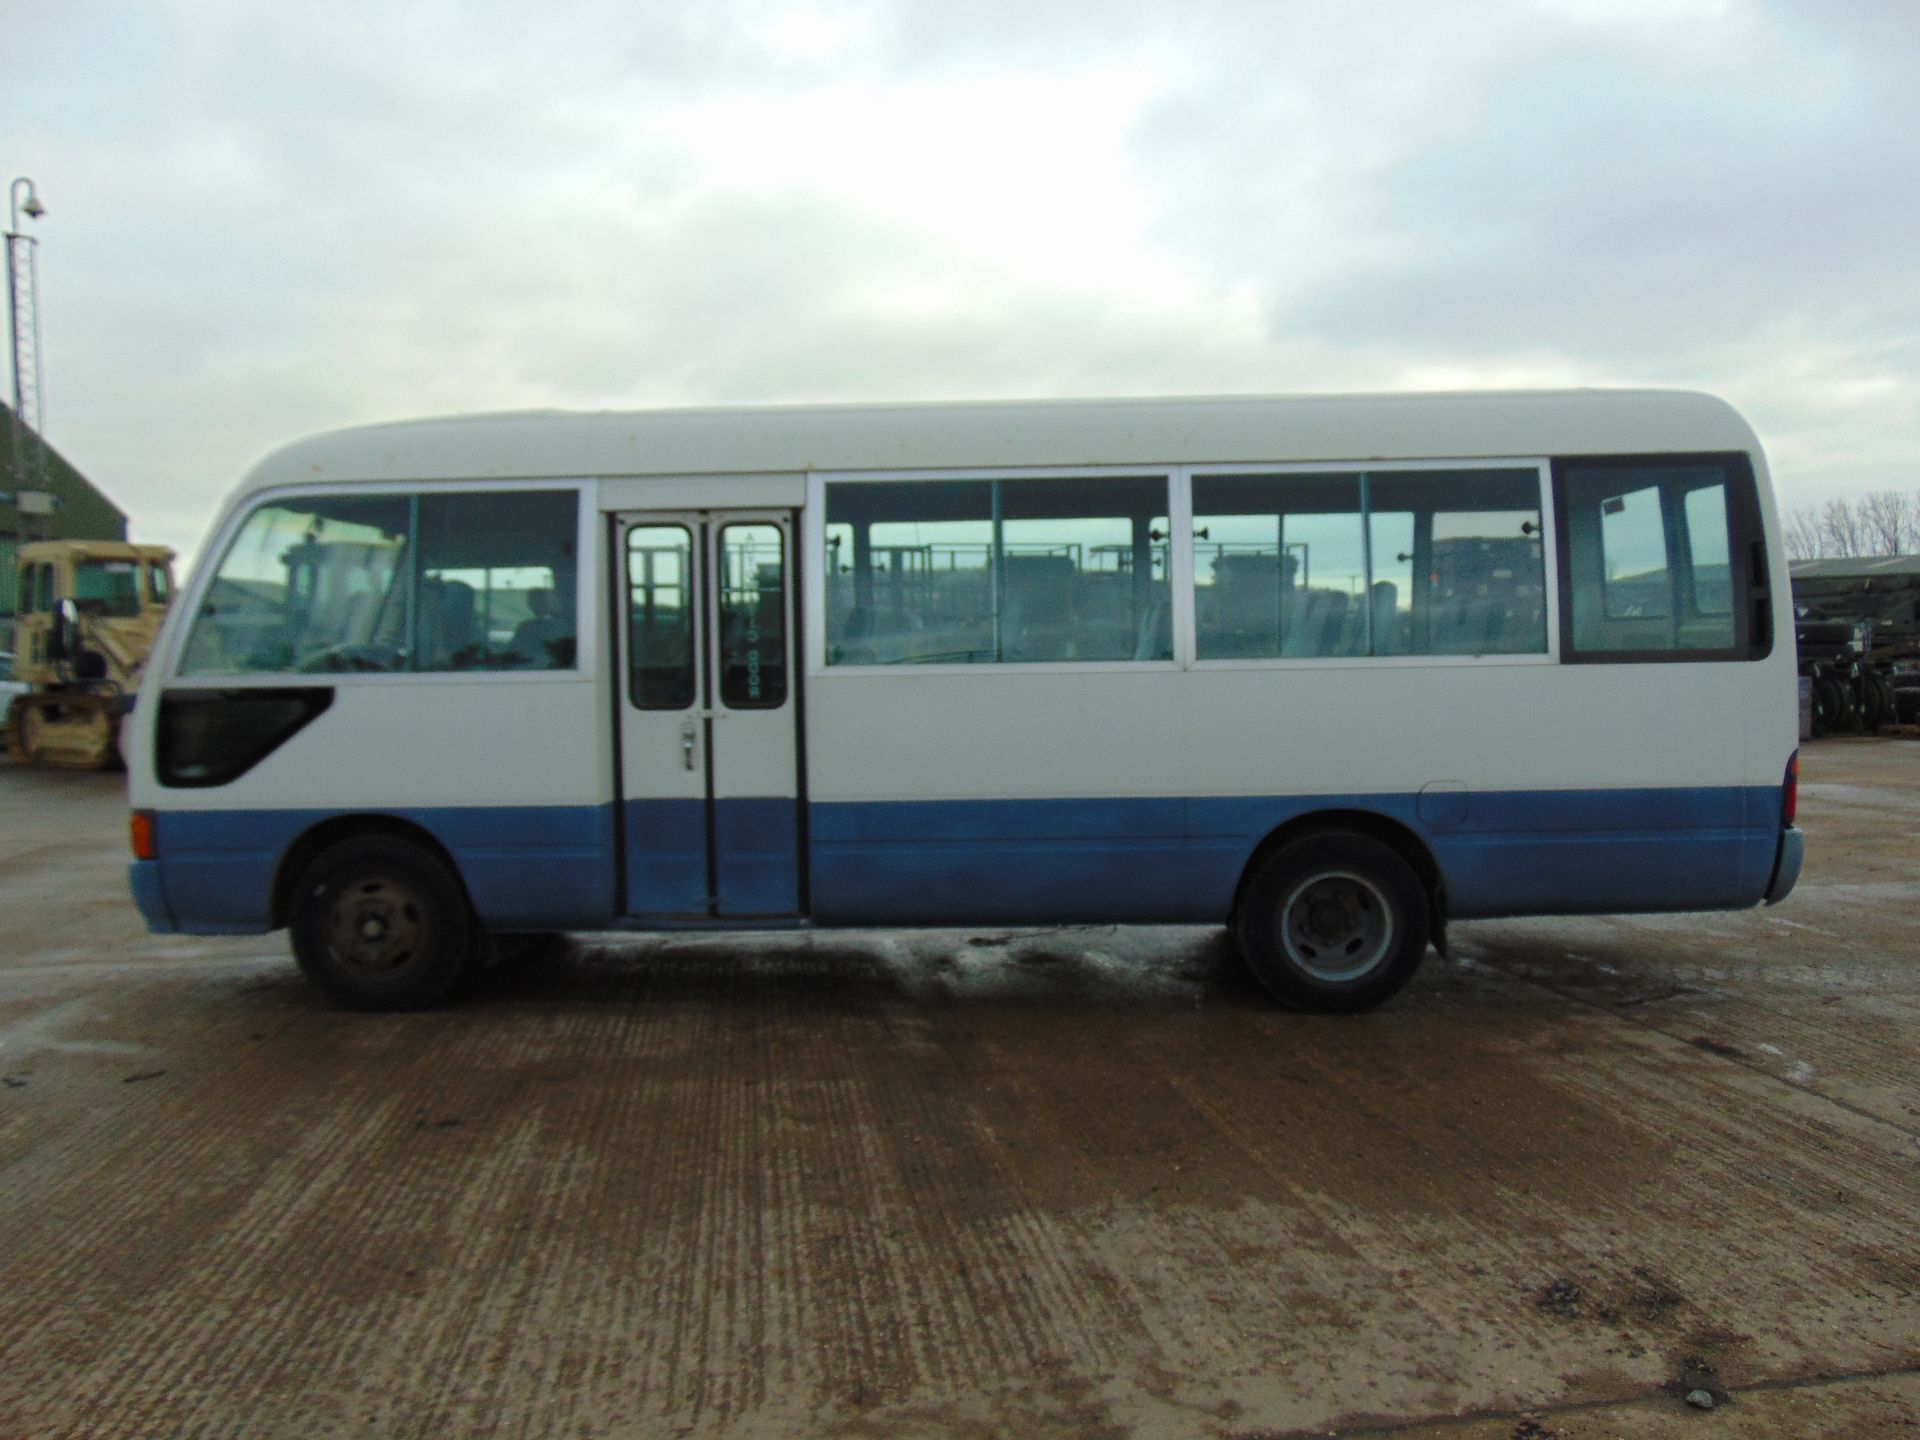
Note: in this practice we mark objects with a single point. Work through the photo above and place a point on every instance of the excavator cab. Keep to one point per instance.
(89, 612)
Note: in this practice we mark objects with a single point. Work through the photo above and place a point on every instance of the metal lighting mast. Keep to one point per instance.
(23, 313)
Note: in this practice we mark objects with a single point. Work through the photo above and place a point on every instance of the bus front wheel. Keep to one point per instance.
(380, 924)
(1333, 922)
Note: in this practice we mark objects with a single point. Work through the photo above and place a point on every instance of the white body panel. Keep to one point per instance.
(1347, 728)
(440, 741)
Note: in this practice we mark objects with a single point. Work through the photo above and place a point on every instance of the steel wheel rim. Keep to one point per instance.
(1336, 925)
(378, 925)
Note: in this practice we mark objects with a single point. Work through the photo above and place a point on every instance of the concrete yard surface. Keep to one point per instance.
(1082, 1182)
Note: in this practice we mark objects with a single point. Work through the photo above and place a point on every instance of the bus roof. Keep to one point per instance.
(788, 439)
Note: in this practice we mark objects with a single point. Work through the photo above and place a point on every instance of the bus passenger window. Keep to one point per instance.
(753, 618)
(496, 583)
(1464, 553)
(1279, 566)
(998, 571)
(1708, 551)
(1650, 558)
(1301, 565)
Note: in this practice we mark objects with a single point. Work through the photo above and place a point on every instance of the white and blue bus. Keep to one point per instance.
(1330, 671)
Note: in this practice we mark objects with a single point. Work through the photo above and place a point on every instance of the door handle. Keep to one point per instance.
(686, 743)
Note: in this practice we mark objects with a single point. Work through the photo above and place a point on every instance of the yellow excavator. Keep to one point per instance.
(87, 615)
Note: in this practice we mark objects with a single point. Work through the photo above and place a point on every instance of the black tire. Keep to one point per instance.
(1906, 704)
(1832, 710)
(1877, 702)
(380, 923)
(1333, 922)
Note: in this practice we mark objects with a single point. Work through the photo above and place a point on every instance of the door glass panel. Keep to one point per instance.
(660, 617)
(753, 640)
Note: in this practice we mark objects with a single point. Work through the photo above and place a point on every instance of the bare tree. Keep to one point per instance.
(1842, 528)
(1886, 522)
(1806, 539)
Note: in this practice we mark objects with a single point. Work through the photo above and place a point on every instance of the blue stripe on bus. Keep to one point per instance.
(997, 862)
(526, 866)
(666, 857)
(1060, 861)
(757, 850)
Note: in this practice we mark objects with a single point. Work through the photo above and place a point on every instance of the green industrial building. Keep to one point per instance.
(80, 511)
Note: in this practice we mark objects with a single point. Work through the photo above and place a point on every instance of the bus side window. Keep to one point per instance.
(998, 571)
(1301, 565)
(1650, 558)
(496, 583)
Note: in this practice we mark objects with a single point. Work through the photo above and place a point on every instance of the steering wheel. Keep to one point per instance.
(354, 657)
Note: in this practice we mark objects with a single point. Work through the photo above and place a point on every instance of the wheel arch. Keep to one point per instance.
(1395, 834)
(331, 831)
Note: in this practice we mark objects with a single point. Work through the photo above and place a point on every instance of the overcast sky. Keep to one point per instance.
(266, 220)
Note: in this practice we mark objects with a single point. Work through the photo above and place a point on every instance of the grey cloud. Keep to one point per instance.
(267, 221)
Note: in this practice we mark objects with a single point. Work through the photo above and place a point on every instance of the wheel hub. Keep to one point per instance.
(1336, 926)
(377, 925)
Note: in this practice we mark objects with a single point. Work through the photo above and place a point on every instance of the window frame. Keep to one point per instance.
(813, 578)
(416, 574)
(1180, 567)
(783, 539)
(1746, 537)
(589, 615)
(1539, 465)
(690, 583)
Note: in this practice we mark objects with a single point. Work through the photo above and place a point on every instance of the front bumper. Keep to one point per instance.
(144, 878)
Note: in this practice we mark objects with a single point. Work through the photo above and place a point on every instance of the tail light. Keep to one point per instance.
(140, 833)
(1790, 791)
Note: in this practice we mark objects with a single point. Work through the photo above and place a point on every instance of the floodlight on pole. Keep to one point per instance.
(31, 205)
(23, 317)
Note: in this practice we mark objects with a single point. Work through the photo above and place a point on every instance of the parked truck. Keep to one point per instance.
(88, 613)
(1857, 623)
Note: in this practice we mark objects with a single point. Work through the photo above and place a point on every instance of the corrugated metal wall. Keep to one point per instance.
(81, 512)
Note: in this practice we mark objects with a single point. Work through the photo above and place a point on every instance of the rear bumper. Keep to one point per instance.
(1786, 869)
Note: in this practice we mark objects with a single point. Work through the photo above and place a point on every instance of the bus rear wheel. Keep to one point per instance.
(1333, 922)
(379, 923)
